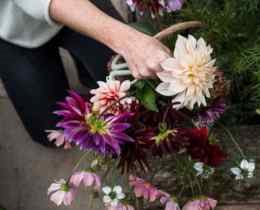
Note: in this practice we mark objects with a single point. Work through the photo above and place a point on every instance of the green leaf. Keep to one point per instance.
(147, 97)
(140, 84)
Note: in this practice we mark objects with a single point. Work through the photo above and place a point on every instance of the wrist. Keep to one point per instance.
(124, 40)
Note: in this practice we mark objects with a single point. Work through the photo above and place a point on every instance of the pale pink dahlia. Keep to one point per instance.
(89, 179)
(57, 136)
(108, 94)
(146, 190)
(201, 204)
(189, 75)
(61, 192)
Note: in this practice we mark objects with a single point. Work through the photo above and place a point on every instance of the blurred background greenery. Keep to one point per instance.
(232, 27)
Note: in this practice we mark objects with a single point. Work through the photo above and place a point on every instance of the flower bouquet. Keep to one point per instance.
(152, 143)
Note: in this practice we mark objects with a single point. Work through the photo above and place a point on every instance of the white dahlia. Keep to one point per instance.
(189, 74)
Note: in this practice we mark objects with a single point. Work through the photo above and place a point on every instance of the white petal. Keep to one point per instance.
(117, 189)
(170, 89)
(57, 197)
(198, 166)
(107, 190)
(165, 76)
(250, 175)
(170, 64)
(236, 171)
(244, 164)
(164, 89)
(180, 47)
(120, 196)
(251, 166)
(53, 187)
(107, 199)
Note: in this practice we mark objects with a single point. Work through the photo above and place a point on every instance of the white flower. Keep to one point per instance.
(199, 168)
(113, 195)
(246, 168)
(202, 170)
(189, 75)
(238, 173)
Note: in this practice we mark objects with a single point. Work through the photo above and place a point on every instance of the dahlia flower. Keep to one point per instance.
(201, 149)
(146, 190)
(112, 195)
(60, 192)
(108, 94)
(57, 136)
(201, 204)
(88, 178)
(189, 75)
(104, 134)
(211, 114)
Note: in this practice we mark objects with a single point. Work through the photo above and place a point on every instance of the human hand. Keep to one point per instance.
(144, 54)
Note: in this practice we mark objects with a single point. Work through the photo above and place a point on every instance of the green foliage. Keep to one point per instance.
(145, 93)
(232, 27)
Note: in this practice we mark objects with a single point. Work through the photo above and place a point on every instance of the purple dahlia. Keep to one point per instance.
(211, 114)
(89, 130)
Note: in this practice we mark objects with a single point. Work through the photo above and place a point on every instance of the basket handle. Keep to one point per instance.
(121, 69)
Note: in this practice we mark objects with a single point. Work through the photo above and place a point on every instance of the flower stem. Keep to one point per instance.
(80, 160)
(233, 140)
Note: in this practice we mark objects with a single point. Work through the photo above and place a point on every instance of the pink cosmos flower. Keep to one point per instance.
(88, 178)
(144, 189)
(59, 139)
(201, 204)
(120, 206)
(169, 203)
(60, 192)
(108, 93)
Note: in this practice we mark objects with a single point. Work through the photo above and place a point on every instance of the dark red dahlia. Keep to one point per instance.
(202, 150)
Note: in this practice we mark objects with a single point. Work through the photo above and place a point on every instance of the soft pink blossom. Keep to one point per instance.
(89, 179)
(170, 203)
(201, 204)
(59, 139)
(60, 192)
(120, 206)
(146, 190)
(108, 93)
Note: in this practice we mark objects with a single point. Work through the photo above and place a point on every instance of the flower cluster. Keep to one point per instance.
(245, 169)
(128, 124)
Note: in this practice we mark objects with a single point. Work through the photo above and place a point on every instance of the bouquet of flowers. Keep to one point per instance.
(152, 142)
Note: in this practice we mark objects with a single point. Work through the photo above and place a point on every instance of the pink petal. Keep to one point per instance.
(69, 197)
(76, 178)
(88, 179)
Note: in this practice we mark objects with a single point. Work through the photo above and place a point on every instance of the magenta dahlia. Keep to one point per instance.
(89, 130)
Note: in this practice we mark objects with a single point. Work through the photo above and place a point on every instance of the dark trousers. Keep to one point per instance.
(35, 79)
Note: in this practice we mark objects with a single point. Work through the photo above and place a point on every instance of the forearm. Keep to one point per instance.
(86, 18)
